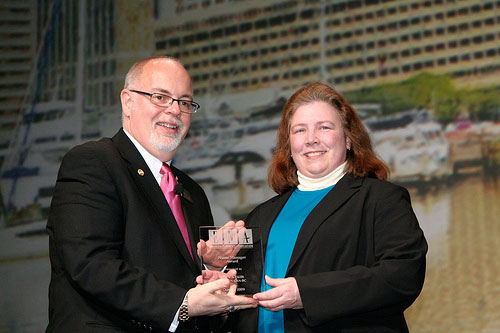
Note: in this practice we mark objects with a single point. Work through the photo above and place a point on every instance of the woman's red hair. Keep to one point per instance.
(361, 158)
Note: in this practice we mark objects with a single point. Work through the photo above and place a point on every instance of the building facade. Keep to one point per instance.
(234, 46)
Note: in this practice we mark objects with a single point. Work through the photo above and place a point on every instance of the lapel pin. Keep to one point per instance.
(140, 172)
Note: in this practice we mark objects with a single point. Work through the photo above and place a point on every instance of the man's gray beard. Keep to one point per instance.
(169, 147)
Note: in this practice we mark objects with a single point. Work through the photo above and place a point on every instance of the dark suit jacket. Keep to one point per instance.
(118, 259)
(359, 259)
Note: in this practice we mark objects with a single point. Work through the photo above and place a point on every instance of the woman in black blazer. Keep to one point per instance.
(343, 249)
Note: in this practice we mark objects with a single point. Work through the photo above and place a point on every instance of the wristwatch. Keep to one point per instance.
(184, 311)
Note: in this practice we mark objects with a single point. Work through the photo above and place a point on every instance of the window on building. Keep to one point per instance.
(477, 39)
(274, 21)
(491, 52)
(476, 9)
(261, 24)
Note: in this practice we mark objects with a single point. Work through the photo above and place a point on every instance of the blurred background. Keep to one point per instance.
(422, 74)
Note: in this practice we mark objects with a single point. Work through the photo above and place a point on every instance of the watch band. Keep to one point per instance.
(184, 311)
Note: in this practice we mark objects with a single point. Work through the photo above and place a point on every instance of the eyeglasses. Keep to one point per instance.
(166, 101)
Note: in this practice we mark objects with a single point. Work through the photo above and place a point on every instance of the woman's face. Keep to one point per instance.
(317, 139)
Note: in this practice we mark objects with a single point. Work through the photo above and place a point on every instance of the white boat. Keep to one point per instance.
(413, 145)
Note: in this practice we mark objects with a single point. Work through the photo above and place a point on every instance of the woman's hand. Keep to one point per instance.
(284, 295)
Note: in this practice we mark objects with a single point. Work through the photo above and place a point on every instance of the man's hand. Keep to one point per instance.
(210, 299)
(284, 295)
(215, 257)
(208, 276)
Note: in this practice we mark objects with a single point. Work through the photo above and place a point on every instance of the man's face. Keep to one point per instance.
(158, 129)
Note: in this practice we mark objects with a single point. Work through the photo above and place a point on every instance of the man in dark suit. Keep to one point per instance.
(119, 259)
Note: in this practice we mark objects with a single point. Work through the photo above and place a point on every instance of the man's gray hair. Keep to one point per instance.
(135, 71)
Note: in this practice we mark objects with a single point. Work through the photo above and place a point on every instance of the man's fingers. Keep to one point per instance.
(201, 248)
(232, 289)
(216, 285)
(242, 302)
(246, 306)
(231, 274)
(228, 225)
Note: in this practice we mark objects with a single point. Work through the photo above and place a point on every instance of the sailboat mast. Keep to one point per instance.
(80, 68)
(322, 31)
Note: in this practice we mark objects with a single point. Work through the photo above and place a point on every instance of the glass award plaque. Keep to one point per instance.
(237, 248)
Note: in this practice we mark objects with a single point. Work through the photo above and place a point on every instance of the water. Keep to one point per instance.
(462, 288)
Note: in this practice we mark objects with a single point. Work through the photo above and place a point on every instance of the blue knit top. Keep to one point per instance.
(280, 244)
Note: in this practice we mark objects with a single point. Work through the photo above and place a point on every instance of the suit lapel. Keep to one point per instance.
(191, 217)
(342, 191)
(193, 230)
(277, 204)
(148, 185)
